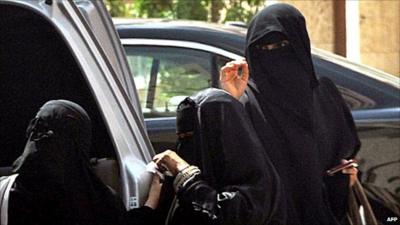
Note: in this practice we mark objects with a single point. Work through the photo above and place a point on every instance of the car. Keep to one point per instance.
(172, 59)
(56, 49)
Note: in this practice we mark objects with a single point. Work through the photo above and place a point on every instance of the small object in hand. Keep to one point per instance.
(240, 71)
(348, 164)
(153, 168)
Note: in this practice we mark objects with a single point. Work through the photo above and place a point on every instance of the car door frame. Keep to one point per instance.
(120, 111)
(167, 124)
(178, 44)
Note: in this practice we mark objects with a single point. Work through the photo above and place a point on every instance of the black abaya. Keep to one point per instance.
(238, 184)
(55, 184)
(303, 123)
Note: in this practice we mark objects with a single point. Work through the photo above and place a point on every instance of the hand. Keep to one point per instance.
(154, 193)
(352, 172)
(170, 161)
(230, 79)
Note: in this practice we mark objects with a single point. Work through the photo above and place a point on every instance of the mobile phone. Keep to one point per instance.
(340, 167)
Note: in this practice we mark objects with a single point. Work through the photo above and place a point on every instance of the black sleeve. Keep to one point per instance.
(348, 145)
(245, 188)
(142, 216)
(337, 190)
(350, 139)
(227, 206)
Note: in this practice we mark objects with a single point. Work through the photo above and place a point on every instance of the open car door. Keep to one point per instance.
(90, 37)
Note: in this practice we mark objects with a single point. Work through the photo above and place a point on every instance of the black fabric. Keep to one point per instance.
(303, 123)
(36, 65)
(291, 79)
(55, 184)
(238, 184)
(143, 216)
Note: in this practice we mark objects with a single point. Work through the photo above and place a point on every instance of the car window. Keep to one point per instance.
(360, 91)
(355, 100)
(164, 76)
(221, 61)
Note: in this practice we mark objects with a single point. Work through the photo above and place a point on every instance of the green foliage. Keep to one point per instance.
(154, 8)
(240, 10)
(192, 10)
(236, 12)
(177, 81)
(215, 8)
(206, 10)
(120, 8)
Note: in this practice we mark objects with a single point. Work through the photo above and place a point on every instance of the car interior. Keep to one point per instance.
(36, 65)
(163, 77)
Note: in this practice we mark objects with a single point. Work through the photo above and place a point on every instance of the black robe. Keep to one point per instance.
(55, 183)
(303, 123)
(238, 184)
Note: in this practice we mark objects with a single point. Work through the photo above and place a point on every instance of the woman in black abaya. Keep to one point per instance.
(303, 123)
(231, 181)
(55, 184)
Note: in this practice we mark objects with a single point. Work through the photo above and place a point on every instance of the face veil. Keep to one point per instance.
(58, 137)
(303, 123)
(285, 75)
(55, 175)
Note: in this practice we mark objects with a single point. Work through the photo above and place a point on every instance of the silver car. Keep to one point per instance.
(57, 49)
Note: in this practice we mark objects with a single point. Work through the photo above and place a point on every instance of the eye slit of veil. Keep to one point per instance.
(37, 131)
(272, 46)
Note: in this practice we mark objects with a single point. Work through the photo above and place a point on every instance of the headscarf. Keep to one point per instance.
(238, 183)
(303, 123)
(55, 184)
(291, 79)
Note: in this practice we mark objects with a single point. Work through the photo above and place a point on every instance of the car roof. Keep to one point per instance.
(229, 37)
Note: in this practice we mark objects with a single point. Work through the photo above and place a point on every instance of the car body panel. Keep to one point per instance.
(97, 51)
(366, 85)
(373, 95)
(102, 27)
(232, 39)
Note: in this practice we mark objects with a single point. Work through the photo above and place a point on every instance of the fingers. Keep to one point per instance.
(169, 160)
(230, 71)
(161, 160)
(350, 171)
(245, 71)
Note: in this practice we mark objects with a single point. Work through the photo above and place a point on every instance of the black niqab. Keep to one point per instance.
(303, 123)
(238, 184)
(286, 73)
(55, 184)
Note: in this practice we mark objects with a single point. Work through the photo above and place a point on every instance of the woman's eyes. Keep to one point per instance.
(272, 46)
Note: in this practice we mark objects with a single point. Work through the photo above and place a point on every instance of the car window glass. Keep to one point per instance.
(355, 100)
(221, 61)
(164, 76)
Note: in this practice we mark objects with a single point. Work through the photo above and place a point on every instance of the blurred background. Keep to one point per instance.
(365, 31)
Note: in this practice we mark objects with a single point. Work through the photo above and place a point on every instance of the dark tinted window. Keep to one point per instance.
(34, 69)
(359, 90)
(356, 100)
(164, 76)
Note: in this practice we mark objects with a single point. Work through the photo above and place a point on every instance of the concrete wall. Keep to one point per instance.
(379, 29)
(380, 34)
(320, 21)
